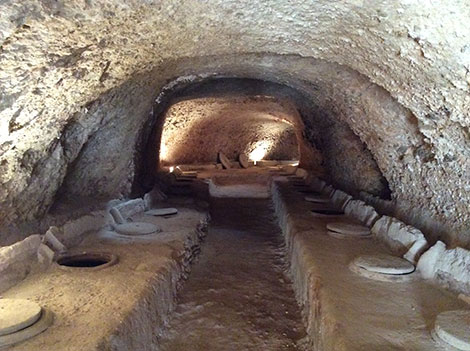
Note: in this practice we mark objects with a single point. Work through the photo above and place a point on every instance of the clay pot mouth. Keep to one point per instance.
(87, 260)
(328, 212)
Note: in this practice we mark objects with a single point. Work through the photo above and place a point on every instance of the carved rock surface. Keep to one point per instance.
(447, 267)
(80, 79)
(402, 239)
(17, 260)
(358, 209)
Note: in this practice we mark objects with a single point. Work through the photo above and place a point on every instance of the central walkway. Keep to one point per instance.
(237, 296)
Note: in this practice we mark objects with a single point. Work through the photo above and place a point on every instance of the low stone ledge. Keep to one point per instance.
(18, 260)
(365, 213)
(340, 199)
(328, 190)
(402, 240)
(447, 267)
(420, 218)
(21, 258)
(153, 197)
(384, 206)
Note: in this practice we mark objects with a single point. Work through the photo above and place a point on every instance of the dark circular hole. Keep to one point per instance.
(328, 212)
(81, 262)
(87, 260)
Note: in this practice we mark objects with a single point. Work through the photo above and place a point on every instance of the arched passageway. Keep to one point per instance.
(333, 96)
(259, 127)
(107, 108)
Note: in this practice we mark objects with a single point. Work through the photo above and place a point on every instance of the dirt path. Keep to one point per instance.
(237, 296)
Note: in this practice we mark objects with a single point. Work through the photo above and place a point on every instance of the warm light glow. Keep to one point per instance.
(295, 164)
(172, 169)
(163, 151)
(259, 151)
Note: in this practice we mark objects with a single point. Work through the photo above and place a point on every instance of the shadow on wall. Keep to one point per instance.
(348, 163)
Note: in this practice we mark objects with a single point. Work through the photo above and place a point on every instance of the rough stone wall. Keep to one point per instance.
(356, 60)
(348, 163)
(196, 130)
(105, 163)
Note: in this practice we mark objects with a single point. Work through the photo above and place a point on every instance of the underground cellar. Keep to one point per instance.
(231, 175)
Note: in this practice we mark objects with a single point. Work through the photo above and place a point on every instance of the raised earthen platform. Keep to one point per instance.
(123, 306)
(343, 310)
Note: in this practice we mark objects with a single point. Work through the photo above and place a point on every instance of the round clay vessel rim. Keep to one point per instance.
(171, 211)
(381, 277)
(45, 320)
(19, 314)
(110, 258)
(117, 228)
(375, 263)
(348, 229)
(338, 235)
(317, 199)
(443, 336)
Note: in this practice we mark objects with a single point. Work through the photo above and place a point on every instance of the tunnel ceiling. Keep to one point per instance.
(79, 78)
